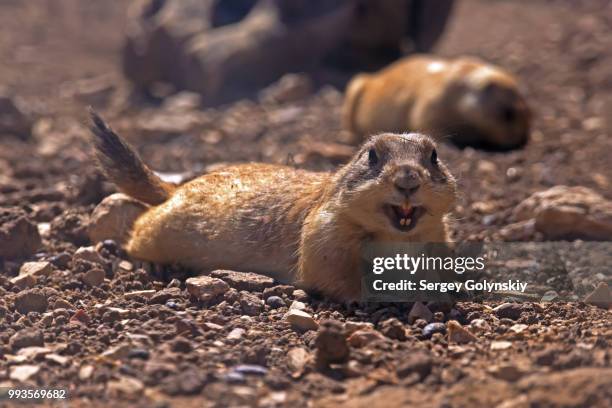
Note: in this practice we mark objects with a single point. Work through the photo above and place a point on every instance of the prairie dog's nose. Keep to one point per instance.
(407, 181)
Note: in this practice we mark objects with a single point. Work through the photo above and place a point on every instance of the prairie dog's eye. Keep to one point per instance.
(434, 157)
(372, 157)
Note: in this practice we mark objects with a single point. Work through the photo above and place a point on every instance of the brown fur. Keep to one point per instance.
(471, 102)
(297, 226)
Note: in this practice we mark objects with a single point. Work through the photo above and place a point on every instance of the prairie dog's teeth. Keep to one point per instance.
(408, 221)
(403, 221)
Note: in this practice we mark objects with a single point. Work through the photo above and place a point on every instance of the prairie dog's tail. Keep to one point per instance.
(352, 100)
(122, 165)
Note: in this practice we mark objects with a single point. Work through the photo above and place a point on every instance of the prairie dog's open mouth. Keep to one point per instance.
(404, 217)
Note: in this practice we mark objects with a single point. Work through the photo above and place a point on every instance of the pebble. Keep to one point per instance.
(297, 305)
(394, 329)
(250, 369)
(19, 236)
(549, 296)
(94, 277)
(24, 372)
(88, 254)
(300, 295)
(419, 362)
(275, 302)
(206, 288)
(27, 338)
(419, 311)
(236, 334)
(301, 320)
(57, 359)
(458, 334)
(147, 294)
(508, 310)
(331, 344)
(126, 387)
(140, 353)
(364, 337)
(297, 358)
(85, 372)
(41, 268)
(30, 301)
(250, 304)
(351, 327)
(118, 352)
(500, 345)
(600, 297)
(432, 328)
(506, 372)
(23, 281)
(248, 281)
(62, 304)
(113, 218)
(162, 296)
(480, 325)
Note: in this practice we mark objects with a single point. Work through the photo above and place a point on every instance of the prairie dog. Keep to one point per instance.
(300, 227)
(471, 102)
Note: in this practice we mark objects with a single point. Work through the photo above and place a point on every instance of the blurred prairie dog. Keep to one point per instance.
(465, 99)
(299, 227)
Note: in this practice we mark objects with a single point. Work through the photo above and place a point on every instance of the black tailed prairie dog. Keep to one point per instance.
(467, 100)
(299, 227)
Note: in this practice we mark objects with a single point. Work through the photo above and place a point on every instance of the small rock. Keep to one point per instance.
(248, 281)
(297, 305)
(508, 310)
(26, 338)
(506, 372)
(13, 120)
(81, 317)
(114, 217)
(94, 277)
(23, 373)
(88, 254)
(331, 344)
(125, 387)
(85, 372)
(419, 362)
(351, 327)
(139, 353)
(147, 294)
(394, 329)
(19, 236)
(458, 334)
(600, 297)
(250, 369)
(33, 352)
(250, 304)
(432, 328)
(162, 296)
(364, 337)
(30, 301)
(301, 320)
(549, 296)
(275, 302)
(518, 328)
(500, 345)
(480, 325)
(62, 304)
(181, 345)
(297, 358)
(289, 88)
(236, 334)
(300, 295)
(563, 212)
(57, 359)
(206, 288)
(36, 268)
(419, 311)
(23, 281)
(118, 352)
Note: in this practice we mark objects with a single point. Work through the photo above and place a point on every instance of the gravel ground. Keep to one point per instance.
(115, 331)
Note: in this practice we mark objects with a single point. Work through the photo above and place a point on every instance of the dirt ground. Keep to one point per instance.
(167, 349)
